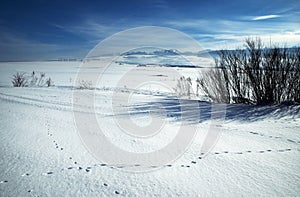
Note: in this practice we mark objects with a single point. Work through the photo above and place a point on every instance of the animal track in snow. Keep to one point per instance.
(250, 151)
(276, 137)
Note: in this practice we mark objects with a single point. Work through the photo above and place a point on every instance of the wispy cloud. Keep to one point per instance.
(160, 4)
(94, 30)
(89, 29)
(265, 17)
(233, 41)
(216, 34)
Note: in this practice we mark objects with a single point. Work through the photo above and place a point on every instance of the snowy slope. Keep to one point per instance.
(257, 154)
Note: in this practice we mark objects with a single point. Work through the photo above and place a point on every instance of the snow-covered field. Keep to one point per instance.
(42, 154)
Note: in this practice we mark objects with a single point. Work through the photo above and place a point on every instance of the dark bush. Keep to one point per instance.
(21, 79)
(254, 75)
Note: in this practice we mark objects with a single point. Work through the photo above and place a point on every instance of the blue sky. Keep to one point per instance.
(40, 29)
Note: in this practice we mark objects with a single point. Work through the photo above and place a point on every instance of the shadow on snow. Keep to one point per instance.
(195, 111)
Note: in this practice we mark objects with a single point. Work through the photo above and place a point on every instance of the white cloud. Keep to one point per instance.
(221, 33)
(233, 41)
(265, 17)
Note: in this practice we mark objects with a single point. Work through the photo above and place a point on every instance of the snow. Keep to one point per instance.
(42, 153)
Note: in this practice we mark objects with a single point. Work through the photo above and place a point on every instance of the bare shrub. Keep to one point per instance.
(85, 84)
(37, 80)
(273, 73)
(19, 80)
(183, 87)
(49, 82)
(32, 80)
(213, 84)
(254, 75)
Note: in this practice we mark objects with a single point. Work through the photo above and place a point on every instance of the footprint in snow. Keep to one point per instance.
(5, 181)
(291, 140)
(216, 153)
(120, 166)
(169, 165)
(48, 173)
(105, 184)
(69, 168)
(249, 151)
(26, 174)
(261, 151)
(154, 166)
(116, 192)
(103, 164)
(193, 162)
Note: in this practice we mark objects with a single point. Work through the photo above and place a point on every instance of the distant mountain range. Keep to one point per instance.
(170, 52)
(156, 52)
(140, 52)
